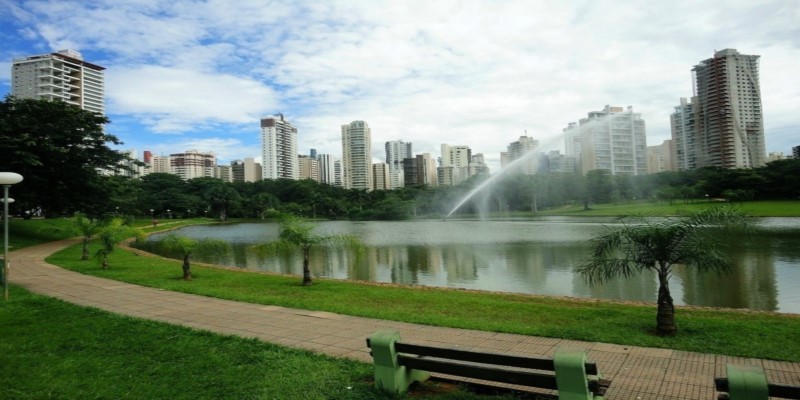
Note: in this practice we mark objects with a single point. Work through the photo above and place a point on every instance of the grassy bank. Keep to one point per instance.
(785, 208)
(747, 334)
(83, 353)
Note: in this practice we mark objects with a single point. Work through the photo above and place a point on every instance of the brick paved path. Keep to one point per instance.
(637, 372)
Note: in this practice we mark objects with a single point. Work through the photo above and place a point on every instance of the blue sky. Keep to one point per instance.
(185, 75)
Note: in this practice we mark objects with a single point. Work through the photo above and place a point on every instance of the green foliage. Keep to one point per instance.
(58, 149)
(109, 237)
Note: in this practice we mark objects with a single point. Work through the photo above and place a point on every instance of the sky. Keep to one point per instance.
(199, 75)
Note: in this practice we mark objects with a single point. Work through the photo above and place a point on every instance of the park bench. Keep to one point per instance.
(398, 365)
(750, 383)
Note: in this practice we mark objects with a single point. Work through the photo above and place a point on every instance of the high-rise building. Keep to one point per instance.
(327, 172)
(380, 177)
(224, 173)
(659, 157)
(357, 156)
(396, 152)
(278, 148)
(60, 76)
(247, 170)
(730, 124)
(455, 165)
(420, 170)
(193, 164)
(557, 163)
(159, 164)
(477, 165)
(337, 173)
(683, 124)
(613, 139)
(796, 152)
(309, 168)
(523, 148)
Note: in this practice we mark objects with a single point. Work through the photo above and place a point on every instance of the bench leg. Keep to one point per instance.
(389, 376)
(571, 378)
(747, 382)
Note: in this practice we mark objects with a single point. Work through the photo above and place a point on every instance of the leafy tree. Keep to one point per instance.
(110, 235)
(659, 245)
(184, 247)
(296, 233)
(59, 149)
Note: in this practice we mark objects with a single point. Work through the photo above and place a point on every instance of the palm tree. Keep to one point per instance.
(295, 233)
(186, 246)
(83, 226)
(110, 235)
(658, 244)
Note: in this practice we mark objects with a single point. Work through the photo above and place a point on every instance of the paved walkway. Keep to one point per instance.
(637, 372)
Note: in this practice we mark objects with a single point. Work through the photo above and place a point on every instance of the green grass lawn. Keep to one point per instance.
(54, 350)
(747, 334)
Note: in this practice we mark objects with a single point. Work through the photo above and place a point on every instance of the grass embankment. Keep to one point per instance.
(747, 334)
(52, 349)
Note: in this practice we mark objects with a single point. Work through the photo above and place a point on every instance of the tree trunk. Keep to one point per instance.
(85, 255)
(105, 261)
(665, 319)
(187, 273)
(306, 269)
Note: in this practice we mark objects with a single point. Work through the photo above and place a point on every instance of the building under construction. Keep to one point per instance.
(729, 122)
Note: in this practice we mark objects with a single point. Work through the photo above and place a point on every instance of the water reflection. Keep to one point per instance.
(526, 256)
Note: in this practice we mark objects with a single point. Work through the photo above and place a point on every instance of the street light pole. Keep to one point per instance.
(6, 179)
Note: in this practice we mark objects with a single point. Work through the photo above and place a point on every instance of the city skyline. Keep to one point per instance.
(477, 74)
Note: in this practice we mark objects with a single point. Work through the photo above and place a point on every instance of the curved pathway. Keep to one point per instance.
(637, 372)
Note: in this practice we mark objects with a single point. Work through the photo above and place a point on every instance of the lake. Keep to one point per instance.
(534, 256)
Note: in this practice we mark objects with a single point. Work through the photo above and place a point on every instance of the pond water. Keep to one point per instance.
(533, 256)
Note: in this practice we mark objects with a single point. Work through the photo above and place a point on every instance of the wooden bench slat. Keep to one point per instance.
(544, 364)
(479, 372)
(784, 391)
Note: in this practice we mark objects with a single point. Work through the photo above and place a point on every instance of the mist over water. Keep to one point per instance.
(509, 169)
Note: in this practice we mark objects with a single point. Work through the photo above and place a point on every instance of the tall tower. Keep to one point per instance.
(278, 149)
(396, 152)
(357, 156)
(683, 124)
(60, 76)
(730, 123)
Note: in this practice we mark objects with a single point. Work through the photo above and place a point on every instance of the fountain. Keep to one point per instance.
(531, 154)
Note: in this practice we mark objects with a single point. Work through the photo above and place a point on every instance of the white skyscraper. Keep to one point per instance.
(396, 152)
(357, 156)
(613, 139)
(60, 76)
(278, 149)
(327, 172)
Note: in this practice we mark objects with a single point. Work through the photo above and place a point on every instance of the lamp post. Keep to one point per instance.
(169, 213)
(6, 179)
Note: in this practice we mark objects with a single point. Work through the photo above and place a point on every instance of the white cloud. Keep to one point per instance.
(476, 73)
(177, 100)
